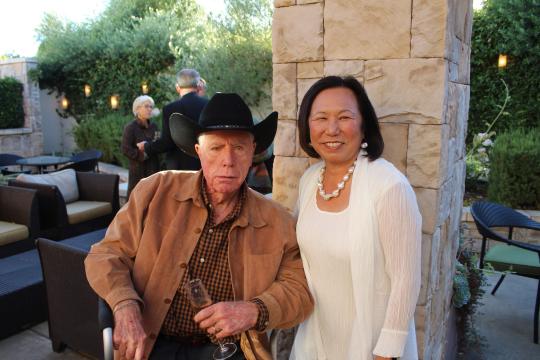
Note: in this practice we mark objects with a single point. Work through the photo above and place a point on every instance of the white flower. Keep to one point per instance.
(487, 142)
(482, 135)
(481, 150)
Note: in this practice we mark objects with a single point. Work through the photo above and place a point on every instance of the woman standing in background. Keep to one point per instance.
(140, 129)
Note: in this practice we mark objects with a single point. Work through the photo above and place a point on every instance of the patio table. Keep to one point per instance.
(41, 162)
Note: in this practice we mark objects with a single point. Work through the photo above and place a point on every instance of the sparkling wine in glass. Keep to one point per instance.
(199, 298)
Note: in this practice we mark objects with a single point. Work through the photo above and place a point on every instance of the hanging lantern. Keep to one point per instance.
(64, 103)
(115, 101)
(87, 90)
(144, 88)
(503, 60)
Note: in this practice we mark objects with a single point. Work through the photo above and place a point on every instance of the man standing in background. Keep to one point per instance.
(190, 104)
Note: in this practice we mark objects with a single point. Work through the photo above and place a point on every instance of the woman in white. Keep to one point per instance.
(359, 232)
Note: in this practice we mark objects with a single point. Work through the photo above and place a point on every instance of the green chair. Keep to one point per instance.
(518, 257)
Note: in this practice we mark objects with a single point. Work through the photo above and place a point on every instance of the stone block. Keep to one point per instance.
(282, 3)
(310, 70)
(422, 323)
(428, 203)
(463, 13)
(395, 144)
(287, 173)
(430, 265)
(464, 67)
(354, 68)
(303, 2)
(285, 141)
(427, 155)
(410, 90)
(368, 29)
(302, 87)
(428, 28)
(284, 90)
(297, 33)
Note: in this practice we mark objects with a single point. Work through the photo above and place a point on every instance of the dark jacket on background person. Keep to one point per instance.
(139, 168)
(190, 105)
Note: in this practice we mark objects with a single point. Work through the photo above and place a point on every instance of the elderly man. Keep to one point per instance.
(179, 226)
(189, 104)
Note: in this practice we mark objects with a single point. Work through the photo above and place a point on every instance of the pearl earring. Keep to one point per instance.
(364, 146)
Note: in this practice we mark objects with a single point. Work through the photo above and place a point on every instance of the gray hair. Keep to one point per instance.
(140, 101)
(188, 78)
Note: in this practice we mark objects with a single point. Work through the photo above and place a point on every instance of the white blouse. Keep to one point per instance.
(383, 243)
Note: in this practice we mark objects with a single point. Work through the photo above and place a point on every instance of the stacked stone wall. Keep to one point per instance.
(413, 58)
(27, 141)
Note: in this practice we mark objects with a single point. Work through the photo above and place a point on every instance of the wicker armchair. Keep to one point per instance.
(19, 220)
(95, 207)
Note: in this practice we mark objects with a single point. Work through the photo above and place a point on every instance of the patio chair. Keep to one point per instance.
(517, 257)
(85, 160)
(11, 160)
(72, 304)
(19, 220)
(72, 203)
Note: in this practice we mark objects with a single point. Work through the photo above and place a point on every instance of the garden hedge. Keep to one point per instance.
(11, 103)
(514, 177)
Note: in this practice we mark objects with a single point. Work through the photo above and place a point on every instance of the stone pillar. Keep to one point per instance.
(413, 58)
(27, 141)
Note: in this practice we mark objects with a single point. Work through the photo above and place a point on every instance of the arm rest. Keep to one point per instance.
(51, 204)
(20, 206)
(99, 187)
(106, 325)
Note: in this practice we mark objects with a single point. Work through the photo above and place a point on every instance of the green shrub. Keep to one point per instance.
(510, 27)
(11, 103)
(514, 178)
(105, 134)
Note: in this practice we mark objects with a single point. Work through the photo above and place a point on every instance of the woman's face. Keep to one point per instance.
(144, 112)
(334, 126)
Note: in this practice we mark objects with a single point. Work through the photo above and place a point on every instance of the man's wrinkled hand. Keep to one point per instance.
(227, 318)
(129, 336)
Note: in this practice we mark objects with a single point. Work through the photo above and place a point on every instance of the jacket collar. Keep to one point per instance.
(190, 189)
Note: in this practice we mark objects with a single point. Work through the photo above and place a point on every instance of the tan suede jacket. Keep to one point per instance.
(147, 247)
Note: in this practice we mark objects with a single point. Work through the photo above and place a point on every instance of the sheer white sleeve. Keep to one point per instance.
(400, 234)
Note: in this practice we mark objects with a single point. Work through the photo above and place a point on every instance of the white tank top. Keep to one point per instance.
(322, 239)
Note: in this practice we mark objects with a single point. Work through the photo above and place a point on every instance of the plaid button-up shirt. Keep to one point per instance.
(209, 262)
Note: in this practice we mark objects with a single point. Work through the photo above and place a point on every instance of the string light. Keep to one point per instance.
(115, 101)
(503, 60)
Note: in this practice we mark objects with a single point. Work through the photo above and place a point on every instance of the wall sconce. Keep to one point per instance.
(144, 88)
(503, 60)
(87, 90)
(115, 101)
(64, 103)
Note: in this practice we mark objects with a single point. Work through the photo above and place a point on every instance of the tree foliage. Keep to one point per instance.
(11, 103)
(147, 41)
(509, 27)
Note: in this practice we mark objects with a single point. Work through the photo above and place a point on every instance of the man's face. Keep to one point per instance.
(226, 157)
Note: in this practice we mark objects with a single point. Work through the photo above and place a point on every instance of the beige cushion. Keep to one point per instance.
(65, 180)
(11, 232)
(80, 211)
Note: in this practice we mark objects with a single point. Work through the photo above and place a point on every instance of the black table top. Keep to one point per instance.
(43, 160)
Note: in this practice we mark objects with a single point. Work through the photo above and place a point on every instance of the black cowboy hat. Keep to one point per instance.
(223, 112)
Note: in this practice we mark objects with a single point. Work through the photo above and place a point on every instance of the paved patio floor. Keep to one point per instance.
(505, 321)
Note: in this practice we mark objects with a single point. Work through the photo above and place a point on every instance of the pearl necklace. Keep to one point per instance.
(340, 186)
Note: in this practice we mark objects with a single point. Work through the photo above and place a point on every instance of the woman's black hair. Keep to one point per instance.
(369, 123)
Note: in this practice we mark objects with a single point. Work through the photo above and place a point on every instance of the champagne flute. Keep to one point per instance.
(199, 298)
